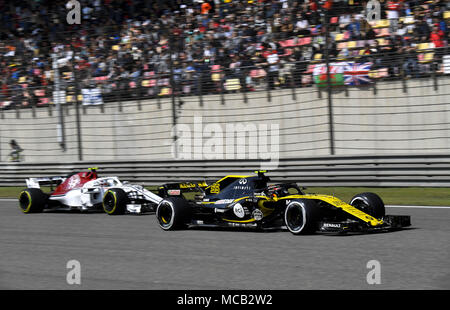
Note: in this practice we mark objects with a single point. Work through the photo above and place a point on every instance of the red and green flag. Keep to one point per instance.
(336, 74)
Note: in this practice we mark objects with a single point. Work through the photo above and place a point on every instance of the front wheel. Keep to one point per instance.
(115, 201)
(173, 213)
(301, 216)
(369, 203)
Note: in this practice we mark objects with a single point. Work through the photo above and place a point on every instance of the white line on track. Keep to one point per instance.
(418, 207)
(387, 206)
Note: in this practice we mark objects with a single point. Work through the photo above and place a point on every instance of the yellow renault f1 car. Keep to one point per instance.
(248, 201)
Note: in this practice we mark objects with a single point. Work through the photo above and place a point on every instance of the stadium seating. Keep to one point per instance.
(137, 47)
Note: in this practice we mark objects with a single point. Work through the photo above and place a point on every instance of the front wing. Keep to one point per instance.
(390, 222)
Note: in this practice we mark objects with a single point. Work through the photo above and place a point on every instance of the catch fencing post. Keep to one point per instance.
(200, 86)
(434, 67)
(324, 14)
(268, 77)
(57, 98)
(293, 86)
(222, 88)
(77, 111)
(243, 81)
(172, 86)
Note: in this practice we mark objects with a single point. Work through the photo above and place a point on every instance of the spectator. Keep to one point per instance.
(302, 25)
(366, 53)
(437, 37)
(354, 28)
(410, 65)
(375, 56)
(422, 30)
(205, 7)
(119, 42)
(393, 9)
(273, 67)
(367, 32)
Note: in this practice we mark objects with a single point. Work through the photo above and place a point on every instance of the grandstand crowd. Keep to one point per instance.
(132, 46)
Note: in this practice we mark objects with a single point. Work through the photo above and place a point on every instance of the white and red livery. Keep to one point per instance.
(85, 191)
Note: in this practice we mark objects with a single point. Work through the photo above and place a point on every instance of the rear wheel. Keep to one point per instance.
(115, 201)
(32, 200)
(301, 216)
(173, 213)
(369, 203)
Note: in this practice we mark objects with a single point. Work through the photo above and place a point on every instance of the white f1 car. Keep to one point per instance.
(85, 191)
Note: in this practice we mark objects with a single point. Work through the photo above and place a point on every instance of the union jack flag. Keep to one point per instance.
(357, 74)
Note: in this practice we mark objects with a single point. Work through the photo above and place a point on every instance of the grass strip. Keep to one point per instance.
(423, 196)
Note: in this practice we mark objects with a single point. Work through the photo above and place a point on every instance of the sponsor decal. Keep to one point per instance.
(191, 185)
(241, 224)
(174, 192)
(74, 181)
(223, 201)
(241, 187)
(257, 214)
(239, 210)
(243, 181)
(332, 225)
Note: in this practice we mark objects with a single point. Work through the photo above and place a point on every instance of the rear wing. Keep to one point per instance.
(176, 189)
(38, 182)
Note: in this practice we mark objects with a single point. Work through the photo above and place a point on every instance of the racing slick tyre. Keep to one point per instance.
(369, 203)
(173, 213)
(32, 200)
(301, 216)
(115, 201)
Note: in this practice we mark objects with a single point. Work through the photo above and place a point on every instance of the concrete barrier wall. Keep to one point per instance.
(393, 121)
(127, 134)
(387, 120)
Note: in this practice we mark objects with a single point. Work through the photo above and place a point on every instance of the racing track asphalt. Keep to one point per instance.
(132, 252)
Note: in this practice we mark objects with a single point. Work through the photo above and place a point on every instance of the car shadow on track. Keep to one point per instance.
(354, 234)
(238, 229)
(91, 212)
(284, 230)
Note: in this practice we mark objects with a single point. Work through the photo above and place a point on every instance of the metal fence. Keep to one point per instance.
(383, 118)
(421, 170)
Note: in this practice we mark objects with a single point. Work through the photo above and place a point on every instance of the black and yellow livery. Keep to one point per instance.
(249, 201)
